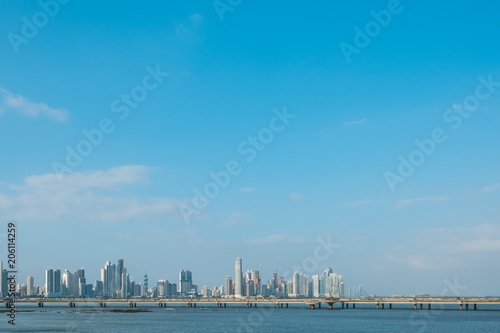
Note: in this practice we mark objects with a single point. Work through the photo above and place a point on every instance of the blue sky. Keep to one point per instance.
(324, 173)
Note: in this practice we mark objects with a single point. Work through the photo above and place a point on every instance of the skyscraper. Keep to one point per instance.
(161, 288)
(315, 287)
(119, 272)
(3, 284)
(145, 285)
(238, 278)
(125, 282)
(296, 283)
(108, 278)
(30, 286)
(228, 286)
(53, 283)
(185, 281)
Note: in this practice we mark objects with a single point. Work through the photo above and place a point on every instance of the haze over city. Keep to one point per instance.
(181, 136)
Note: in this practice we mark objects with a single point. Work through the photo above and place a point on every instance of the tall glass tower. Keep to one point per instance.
(238, 278)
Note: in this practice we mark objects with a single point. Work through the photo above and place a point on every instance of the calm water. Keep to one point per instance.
(91, 318)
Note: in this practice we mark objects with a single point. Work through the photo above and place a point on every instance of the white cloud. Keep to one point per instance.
(360, 203)
(492, 188)
(90, 197)
(247, 190)
(296, 196)
(354, 122)
(22, 105)
(196, 17)
(448, 248)
(279, 238)
(410, 202)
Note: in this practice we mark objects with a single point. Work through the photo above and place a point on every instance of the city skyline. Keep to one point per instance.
(178, 134)
(114, 282)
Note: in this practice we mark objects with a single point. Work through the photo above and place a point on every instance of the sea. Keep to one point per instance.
(234, 318)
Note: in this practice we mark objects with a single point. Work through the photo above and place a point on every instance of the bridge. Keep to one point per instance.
(427, 303)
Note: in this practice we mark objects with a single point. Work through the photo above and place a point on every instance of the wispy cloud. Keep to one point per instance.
(196, 17)
(187, 29)
(411, 202)
(296, 196)
(18, 103)
(359, 203)
(89, 197)
(279, 238)
(233, 218)
(354, 122)
(448, 248)
(492, 188)
(247, 190)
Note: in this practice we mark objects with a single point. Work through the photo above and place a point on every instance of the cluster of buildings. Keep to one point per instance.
(249, 284)
(115, 283)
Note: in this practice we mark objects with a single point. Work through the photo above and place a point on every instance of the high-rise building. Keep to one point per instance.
(53, 283)
(119, 272)
(296, 283)
(30, 286)
(315, 286)
(125, 283)
(145, 285)
(108, 278)
(99, 289)
(161, 288)
(185, 281)
(228, 286)
(57, 282)
(238, 278)
(3, 281)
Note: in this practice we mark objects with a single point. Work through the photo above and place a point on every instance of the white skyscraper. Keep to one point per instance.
(315, 279)
(30, 286)
(296, 283)
(238, 281)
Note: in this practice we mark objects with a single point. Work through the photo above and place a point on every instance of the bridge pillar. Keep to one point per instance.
(429, 307)
(343, 305)
(282, 305)
(224, 304)
(415, 306)
(247, 305)
(467, 306)
(311, 306)
(287, 305)
(319, 305)
(194, 304)
(255, 304)
(330, 306)
(421, 306)
(135, 305)
(278, 305)
(475, 306)
(390, 305)
(383, 305)
(461, 306)
(104, 304)
(354, 305)
(378, 306)
(347, 305)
